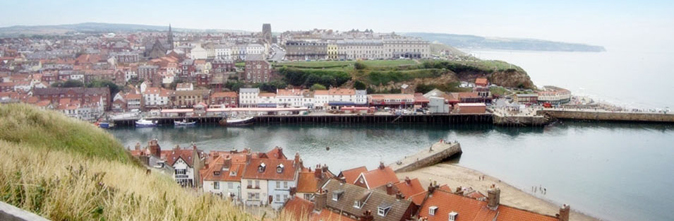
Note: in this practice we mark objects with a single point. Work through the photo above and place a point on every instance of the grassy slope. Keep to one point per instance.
(64, 169)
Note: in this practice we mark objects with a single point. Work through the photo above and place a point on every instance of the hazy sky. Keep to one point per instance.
(612, 23)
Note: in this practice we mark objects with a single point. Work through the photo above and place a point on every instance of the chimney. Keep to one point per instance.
(564, 213)
(324, 168)
(280, 153)
(321, 199)
(431, 188)
(293, 191)
(389, 188)
(381, 165)
(400, 196)
(137, 146)
(318, 172)
(342, 180)
(493, 197)
(367, 216)
(248, 157)
(408, 181)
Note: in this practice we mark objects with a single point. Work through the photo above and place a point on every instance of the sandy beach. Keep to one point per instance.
(454, 176)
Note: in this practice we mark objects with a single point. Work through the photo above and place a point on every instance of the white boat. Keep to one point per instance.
(184, 123)
(236, 121)
(145, 123)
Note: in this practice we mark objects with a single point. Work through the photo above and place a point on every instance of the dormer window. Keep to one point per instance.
(432, 210)
(261, 168)
(452, 216)
(383, 210)
(216, 173)
(232, 173)
(357, 204)
(337, 194)
(279, 168)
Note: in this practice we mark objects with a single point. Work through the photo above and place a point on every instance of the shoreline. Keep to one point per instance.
(455, 175)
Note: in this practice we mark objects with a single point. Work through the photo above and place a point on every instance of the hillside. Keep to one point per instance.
(65, 169)
(477, 42)
(386, 76)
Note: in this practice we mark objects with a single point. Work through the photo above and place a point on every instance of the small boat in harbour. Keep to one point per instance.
(184, 122)
(145, 123)
(104, 124)
(234, 122)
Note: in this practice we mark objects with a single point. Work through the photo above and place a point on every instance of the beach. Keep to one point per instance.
(454, 176)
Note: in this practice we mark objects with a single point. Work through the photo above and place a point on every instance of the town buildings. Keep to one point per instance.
(258, 70)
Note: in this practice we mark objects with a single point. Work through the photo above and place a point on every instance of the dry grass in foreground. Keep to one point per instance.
(63, 169)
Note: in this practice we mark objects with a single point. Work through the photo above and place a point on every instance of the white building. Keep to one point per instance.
(339, 97)
(248, 97)
(185, 164)
(223, 177)
(267, 181)
(198, 53)
(290, 97)
(223, 52)
(156, 97)
(254, 49)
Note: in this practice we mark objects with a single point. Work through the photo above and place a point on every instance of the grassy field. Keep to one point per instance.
(65, 169)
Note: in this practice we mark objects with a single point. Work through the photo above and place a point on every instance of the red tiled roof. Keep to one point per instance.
(411, 188)
(379, 177)
(299, 208)
(224, 94)
(270, 172)
(351, 175)
(327, 215)
(307, 182)
(277, 153)
(481, 81)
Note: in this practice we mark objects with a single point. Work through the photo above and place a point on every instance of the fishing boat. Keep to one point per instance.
(184, 122)
(145, 123)
(104, 124)
(234, 122)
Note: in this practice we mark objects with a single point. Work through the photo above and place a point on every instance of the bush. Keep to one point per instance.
(359, 85)
(360, 66)
(317, 87)
(68, 83)
(308, 78)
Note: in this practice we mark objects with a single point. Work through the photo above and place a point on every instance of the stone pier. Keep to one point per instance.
(434, 154)
(608, 116)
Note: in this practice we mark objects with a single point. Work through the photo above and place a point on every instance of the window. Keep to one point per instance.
(382, 211)
(230, 185)
(356, 204)
(452, 216)
(216, 185)
(250, 183)
(285, 198)
(257, 184)
(285, 184)
(278, 197)
(278, 184)
(432, 210)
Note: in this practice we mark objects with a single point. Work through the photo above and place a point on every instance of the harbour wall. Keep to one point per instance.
(432, 155)
(608, 116)
(520, 121)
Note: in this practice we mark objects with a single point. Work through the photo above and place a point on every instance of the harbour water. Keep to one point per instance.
(611, 171)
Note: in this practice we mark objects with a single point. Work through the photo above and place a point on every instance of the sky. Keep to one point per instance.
(610, 23)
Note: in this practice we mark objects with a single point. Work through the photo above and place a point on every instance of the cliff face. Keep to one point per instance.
(511, 78)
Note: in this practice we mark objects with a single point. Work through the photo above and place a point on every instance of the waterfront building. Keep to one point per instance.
(334, 98)
(290, 97)
(526, 98)
(391, 100)
(226, 99)
(554, 95)
(257, 70)
(266, 100)
(248, 97)
(187, 99)
(156, 97)
(437, 105)
(471, 108)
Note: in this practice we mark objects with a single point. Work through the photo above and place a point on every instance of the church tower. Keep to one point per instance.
(170, 38)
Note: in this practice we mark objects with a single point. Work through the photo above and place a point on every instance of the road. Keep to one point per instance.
(278, 53)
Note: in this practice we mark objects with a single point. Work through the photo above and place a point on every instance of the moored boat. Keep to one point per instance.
(104, 124)
(145, 123)
(233, 122)
(184, 123)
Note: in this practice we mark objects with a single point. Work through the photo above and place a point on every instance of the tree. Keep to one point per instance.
(68, 83)
(113, 87)
(359, 85)
(317, 87)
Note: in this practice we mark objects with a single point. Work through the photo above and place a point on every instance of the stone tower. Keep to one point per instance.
(266, 33)
(170, 38)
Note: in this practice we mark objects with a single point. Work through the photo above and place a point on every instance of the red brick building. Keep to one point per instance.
(228, 99)
(258, 70)
(83, 95)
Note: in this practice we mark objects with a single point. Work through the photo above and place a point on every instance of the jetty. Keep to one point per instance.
(432, 155)
(608, 116)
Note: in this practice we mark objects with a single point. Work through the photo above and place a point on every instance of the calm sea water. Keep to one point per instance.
(612, 171)
(641, 79)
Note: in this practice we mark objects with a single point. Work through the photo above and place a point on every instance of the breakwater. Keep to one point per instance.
(607, 116)
(432, 155)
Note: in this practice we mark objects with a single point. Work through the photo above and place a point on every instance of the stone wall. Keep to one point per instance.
(519, 121)
(609, 116)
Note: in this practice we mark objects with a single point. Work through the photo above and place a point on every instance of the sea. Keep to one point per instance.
(613, 171)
